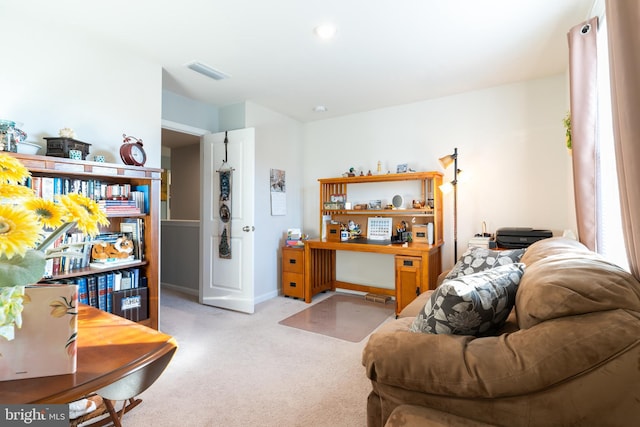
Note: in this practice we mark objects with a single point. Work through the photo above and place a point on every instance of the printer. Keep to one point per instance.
(519, 237)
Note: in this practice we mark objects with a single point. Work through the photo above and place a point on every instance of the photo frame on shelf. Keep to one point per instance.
(402, 168)
(375, 204)
(338, 198)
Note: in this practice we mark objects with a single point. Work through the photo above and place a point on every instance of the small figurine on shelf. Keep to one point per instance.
(67, 133)
(352, 172)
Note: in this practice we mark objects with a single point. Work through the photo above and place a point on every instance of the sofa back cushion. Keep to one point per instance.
(572, 282)
(551, 246)
(475, 260)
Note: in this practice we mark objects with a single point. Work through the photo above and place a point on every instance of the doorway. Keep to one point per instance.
(180, 212)
(181, 163)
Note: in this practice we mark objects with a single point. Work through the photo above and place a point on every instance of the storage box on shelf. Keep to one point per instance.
(148, 179)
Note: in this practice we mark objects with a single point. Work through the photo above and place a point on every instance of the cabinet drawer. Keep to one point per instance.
(293, 284)
(293, 260)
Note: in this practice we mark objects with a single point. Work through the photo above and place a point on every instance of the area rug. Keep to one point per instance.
(342, 316)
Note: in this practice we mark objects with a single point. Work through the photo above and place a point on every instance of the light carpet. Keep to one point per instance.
(343, 316)
(240, 370)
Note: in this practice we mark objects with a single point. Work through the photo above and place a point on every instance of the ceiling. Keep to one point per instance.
(384, 53)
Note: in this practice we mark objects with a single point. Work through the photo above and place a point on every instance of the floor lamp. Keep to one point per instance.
(446, 188)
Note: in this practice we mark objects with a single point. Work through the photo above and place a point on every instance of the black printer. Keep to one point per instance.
(519, 237)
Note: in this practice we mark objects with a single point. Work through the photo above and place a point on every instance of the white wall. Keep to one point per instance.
(278, 146)
(51, 78)
(510, 140)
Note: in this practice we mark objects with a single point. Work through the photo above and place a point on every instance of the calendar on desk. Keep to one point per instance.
(379, 228)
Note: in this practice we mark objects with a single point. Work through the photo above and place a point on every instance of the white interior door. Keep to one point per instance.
(228, 282)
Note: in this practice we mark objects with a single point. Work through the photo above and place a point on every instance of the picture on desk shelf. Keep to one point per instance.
(402, 168)
(375, 204)
(338, 198)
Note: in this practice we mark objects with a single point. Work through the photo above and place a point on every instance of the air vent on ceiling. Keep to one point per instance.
(208, 71)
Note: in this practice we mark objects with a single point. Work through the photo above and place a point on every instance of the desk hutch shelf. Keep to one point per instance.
(417, 264)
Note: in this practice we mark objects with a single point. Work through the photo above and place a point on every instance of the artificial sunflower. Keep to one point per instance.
(19, 230)
(12, 171)
(48, 212)
(85, 212)
(12, 192)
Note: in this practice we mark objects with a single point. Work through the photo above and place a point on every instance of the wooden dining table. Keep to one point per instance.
(110, 350)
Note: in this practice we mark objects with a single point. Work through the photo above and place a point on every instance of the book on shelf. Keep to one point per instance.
(47, 188)
(92, 291)
(117, 280)
(116, 263)
(101, 281)
(119, 207)
(83, 292)
(145, 190)
(110, 281)
(135, 226)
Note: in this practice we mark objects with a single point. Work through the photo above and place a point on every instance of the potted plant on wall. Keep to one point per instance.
(567, 126)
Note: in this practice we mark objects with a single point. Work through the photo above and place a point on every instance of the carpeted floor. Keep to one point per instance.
(343, 316)
(238, 370)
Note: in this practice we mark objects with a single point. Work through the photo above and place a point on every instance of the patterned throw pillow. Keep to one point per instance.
(475, 260)
(476, 304)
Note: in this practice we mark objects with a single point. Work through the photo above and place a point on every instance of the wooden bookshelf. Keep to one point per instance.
(47, 166)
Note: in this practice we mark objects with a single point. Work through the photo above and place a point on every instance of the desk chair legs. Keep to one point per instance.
(107, 407)
(116, 417)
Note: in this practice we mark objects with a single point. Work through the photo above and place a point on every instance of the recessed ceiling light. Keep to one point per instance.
(325, 31)
(320, 109)
(208, 71)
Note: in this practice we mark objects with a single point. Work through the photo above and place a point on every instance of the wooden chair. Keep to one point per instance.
(126, 390)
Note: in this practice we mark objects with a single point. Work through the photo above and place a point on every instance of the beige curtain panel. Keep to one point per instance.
(584, 109)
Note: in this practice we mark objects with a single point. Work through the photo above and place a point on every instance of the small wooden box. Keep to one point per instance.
(59, 147)
(333, 232)
(419, 232)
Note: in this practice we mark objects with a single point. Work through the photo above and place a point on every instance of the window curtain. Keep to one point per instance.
(583, 87)
(623, 31)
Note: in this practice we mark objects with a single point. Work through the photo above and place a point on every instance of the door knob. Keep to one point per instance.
(247, 228)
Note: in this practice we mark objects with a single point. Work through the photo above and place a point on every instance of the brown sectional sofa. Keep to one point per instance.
(569, 354)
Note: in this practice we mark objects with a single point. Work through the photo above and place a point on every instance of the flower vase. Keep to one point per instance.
(46, 343)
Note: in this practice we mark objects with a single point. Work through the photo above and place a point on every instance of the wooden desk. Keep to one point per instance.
(320, 266)
(110, 348)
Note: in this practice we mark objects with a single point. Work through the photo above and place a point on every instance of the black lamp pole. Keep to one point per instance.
(455, 205)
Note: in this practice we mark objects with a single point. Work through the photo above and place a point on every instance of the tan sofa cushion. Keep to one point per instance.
(552, 246)
(420, 416)
(511, 364)
(572, 283)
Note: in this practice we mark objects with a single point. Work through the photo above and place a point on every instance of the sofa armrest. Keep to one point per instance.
(507, 365)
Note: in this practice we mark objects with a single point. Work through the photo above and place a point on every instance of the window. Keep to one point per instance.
(610, 240)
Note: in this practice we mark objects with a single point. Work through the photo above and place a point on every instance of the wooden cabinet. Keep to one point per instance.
(149, 267)
(408, 280)
(358, 190)
(293, 272)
